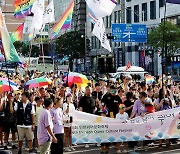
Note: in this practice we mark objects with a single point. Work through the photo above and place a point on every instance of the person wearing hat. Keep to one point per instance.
(123, 117)
(68, 110)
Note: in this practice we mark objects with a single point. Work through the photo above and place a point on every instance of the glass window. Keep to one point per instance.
(128, 15)
(119, 16)
(110, 20)
(153, 10)
(46, 60)
(107, 21)
(161, 3)
(136, 13)
(115, 17)
(144, 12)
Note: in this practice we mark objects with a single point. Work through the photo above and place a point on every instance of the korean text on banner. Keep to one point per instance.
(159, 125)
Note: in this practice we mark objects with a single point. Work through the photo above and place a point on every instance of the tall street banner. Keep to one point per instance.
(101, 8)
(8, 47)
(88, 128)
(100, 32)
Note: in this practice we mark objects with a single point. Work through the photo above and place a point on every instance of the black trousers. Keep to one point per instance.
(57, 148)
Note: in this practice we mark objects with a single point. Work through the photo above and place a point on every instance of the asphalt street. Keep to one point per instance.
(80, 149)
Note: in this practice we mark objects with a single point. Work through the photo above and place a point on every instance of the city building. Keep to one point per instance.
(8, 12)
(102, 60)
(143, 12)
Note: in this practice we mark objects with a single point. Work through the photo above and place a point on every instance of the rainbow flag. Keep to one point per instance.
(17, 35)
(30, 37)
(65, 20)
(149, 79)
(22, 8)
(7, 46)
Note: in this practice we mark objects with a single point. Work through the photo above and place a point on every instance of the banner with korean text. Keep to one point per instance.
(88, 128)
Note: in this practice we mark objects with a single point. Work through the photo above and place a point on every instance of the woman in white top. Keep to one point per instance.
(68, 110)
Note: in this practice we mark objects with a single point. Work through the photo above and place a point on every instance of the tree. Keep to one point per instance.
(72, 44)
(167, 36)
(24, 49)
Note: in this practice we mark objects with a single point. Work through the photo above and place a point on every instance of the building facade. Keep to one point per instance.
(8, 12)
(103, 61)
(143, 12)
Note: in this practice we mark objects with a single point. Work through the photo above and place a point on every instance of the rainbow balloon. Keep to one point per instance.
(17, 35)
(23, 8)
(65, 20)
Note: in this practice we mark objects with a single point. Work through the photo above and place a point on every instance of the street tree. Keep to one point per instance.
(72, 44)
(166, 37)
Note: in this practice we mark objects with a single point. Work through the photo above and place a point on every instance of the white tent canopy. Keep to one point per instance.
(131, 69)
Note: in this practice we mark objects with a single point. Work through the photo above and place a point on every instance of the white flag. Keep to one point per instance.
(49, 13)
(101, 8)
(100, 32)
(38, 10)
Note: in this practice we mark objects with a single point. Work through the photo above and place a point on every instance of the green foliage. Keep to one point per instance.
(169, 34)
(24, 49)
(72, 44)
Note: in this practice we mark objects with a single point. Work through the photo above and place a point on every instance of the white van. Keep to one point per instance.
(133, 70)
(40, 64)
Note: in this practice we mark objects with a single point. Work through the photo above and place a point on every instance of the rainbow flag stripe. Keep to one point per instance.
(149, 79)
(30, 37)
(65, 20)
(17, 35)
(23, 8)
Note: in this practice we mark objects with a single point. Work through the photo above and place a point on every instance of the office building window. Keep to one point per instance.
(92, 26)
(161, 3)
(144, 12)
(128, 15)
(136, 13)
(107, 21)
(118, 1)
(128, 0)
(110, 20)
(153, 10)
(119, 16)
(115, 17)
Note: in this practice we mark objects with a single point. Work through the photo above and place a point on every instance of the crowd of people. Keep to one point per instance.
(42, 117)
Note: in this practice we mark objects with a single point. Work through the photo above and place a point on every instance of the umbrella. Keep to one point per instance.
(76, 78)
(38, 82)
(7, 86)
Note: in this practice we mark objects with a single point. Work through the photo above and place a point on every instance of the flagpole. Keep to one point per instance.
(163, 50)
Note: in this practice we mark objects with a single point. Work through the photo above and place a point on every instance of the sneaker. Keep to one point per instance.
(26, 149)
(5, 148)
(74, 144)
(19, 152)
(125, 151)
(67, 149)
(98, 144)
(135, 148)
(71, 148)
(145, 148)
(14, 147)
(86, 146)
(118, 151)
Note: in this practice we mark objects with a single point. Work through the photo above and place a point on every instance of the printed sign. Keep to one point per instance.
(88, 128)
